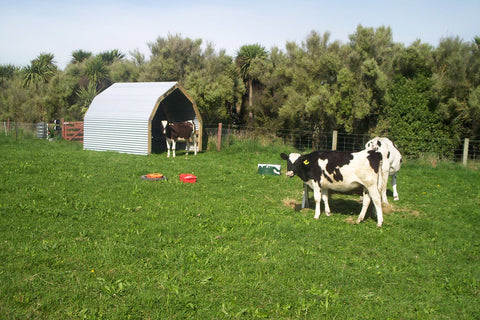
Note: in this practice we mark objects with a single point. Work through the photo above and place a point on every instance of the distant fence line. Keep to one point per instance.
(460, 150)
(72, 131)
(221, 136)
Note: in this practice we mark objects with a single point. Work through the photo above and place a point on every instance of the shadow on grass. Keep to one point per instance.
(347, 204)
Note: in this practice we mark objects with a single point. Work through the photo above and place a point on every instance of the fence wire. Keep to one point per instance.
(410, 147)
(302, 140)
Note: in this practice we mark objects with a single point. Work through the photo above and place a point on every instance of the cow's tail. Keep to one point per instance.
(382, 177)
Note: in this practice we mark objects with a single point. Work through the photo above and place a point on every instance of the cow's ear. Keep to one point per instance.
(283, 156)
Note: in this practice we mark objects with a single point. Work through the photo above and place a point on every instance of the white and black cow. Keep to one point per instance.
(339, 171)
(179, 131)
(391, 165)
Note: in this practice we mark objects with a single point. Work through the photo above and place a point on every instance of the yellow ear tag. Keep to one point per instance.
(306, 162)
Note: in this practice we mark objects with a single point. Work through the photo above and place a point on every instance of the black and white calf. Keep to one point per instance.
(339, 171)
(391, 165)
(179, 131)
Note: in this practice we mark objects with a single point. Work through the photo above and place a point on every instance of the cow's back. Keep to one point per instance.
(178, 130)
(343, 171)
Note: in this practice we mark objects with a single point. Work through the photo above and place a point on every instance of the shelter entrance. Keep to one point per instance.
(172, 107)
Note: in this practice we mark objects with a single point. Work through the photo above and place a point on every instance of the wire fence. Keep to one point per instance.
(302, 140)
(24, 130)
(411, 147)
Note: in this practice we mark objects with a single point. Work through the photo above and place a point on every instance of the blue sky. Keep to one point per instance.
(31, 27)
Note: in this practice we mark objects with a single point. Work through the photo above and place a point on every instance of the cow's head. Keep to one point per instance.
(164, 126)
(373, 144)
(292, 166)
(306, 167)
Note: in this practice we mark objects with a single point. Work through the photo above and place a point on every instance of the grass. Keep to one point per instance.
(83, 237)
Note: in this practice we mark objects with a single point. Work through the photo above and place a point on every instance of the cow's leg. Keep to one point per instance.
(394, 186)
(366, 202)
(317, 194)
(375, 196)
(325, 201)
(384, 181)
(384, 188)
(305, 196)
(187, 146)
(173, 147)
(194, 144)
(168, 147)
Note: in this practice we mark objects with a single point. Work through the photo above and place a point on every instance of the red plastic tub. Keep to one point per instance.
(188, 178)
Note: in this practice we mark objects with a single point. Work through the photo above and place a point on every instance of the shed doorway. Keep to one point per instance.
(174, 106)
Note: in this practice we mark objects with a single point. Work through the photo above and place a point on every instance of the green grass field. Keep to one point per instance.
(83, 237)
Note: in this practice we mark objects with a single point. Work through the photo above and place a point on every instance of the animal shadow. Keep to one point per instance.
(345, 204)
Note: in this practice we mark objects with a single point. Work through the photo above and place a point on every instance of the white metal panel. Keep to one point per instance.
(121, 135)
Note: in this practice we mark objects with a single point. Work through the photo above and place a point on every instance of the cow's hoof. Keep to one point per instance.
(358, 221)
(379, 225)
(396, 198)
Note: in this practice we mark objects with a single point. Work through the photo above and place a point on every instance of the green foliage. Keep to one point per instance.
(82, 236)
(86, 96)
(96, 71)
(246, 57)
(80, 56)
(109, 57)
(248, 60)
(124, 71)
(318, 85)
(173, 58)
(6, 72)
(39, 71)
(412, 123)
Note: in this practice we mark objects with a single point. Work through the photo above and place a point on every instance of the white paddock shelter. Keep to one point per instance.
(126, 117)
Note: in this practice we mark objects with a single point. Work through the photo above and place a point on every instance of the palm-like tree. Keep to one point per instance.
(40, 70)
(85, 96)
(111, 56)
(245, 56)
(96, 71)
(6, 72)
(79, 56)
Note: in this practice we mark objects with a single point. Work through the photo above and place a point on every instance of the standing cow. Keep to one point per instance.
(339, 171)
(179, 131)
(391, 165)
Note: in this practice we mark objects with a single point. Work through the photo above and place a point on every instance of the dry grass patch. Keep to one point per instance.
(292, 203)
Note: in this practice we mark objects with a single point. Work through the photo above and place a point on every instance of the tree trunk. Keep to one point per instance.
(250, 99)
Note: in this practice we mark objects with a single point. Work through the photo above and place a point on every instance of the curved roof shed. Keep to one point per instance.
(126, 117)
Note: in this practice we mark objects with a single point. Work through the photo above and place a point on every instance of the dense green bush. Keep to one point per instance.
(370, 85)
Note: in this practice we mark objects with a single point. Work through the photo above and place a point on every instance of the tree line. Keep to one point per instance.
(369, 85)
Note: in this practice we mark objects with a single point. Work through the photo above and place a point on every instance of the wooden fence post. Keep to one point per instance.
(465, 151)
(228, 136)
(219, 136)
(334, 140)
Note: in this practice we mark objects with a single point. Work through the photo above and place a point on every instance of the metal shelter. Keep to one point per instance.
(126, 117)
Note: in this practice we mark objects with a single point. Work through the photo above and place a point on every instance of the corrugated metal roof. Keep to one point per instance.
(128, 100)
